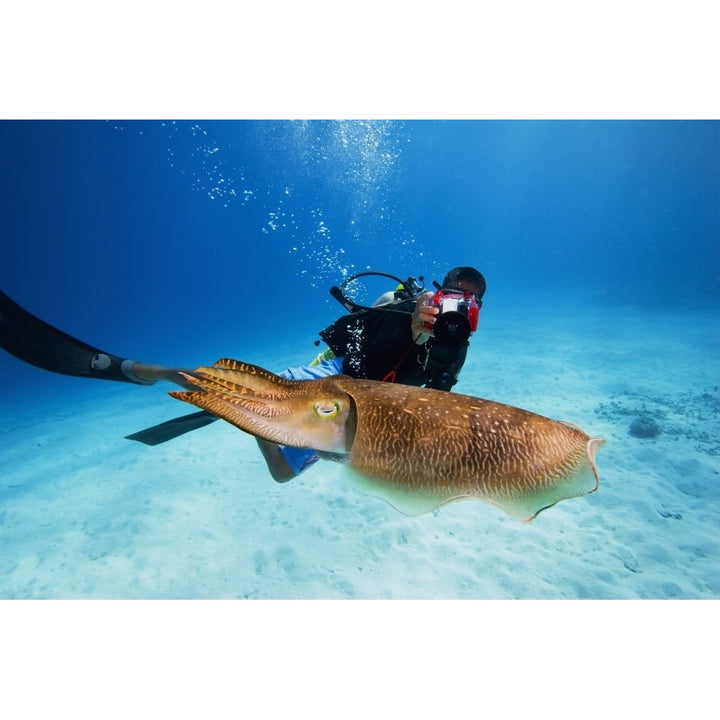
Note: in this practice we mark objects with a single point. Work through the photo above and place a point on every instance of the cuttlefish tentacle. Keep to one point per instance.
(416, 448)
(281, 412)
(251, 377)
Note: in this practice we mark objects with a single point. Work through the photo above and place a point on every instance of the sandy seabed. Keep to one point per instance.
(85, 513)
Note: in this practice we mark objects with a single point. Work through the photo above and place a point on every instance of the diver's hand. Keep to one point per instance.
(423, 316)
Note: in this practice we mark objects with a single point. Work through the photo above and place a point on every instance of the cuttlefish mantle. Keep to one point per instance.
(416, 448)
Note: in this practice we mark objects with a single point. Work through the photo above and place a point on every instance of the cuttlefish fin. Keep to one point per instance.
(408, 502)
(523, 506)
(583, 480)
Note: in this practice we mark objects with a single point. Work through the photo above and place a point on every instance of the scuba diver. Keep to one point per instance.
(410, 336)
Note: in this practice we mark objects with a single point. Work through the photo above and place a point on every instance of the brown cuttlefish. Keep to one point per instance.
(416, 448)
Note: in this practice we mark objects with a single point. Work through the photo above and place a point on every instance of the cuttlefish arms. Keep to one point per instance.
(416, 448)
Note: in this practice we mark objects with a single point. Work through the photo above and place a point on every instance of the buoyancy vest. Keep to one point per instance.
(376, 343)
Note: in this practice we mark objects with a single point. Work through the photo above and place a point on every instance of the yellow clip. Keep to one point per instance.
(326, 354)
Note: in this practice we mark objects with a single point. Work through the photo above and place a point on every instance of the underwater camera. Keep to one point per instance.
(458, 317)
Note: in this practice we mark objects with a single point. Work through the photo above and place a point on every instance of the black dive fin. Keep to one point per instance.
(38, 343)
(34, 341)
(158, 434)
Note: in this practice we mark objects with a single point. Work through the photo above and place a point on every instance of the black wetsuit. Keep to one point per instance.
(376, 343)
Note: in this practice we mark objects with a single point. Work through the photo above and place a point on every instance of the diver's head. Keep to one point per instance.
(467, 279)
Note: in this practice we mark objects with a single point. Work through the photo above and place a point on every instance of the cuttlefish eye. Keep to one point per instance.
(326, 409)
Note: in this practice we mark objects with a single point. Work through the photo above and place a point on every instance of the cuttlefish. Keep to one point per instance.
(416, 448)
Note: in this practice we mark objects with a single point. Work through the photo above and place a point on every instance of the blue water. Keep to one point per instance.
(135, 219)
(183, 242)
